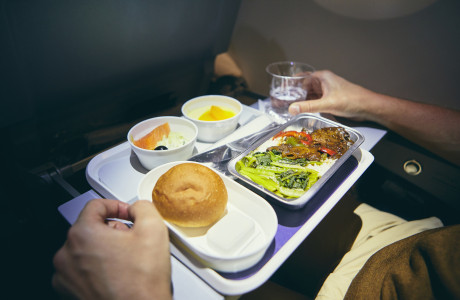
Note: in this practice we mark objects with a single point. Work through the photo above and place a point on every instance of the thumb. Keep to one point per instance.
(309, 106)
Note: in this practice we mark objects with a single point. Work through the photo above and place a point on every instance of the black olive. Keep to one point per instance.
(161, 148)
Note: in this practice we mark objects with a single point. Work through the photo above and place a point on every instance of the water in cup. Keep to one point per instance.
(288, 84)
(282, 97)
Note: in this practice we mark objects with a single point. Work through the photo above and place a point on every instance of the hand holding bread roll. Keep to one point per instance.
(190, 195)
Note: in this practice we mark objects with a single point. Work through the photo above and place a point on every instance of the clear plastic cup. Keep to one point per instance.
(289, 83)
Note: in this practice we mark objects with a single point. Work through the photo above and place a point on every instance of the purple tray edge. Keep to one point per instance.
(290, 221)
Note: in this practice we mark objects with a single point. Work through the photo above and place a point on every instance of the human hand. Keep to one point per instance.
(111, 261)
(335, 95)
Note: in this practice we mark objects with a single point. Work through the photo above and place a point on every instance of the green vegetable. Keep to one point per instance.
(292, 141)
(263, 159)
(289, 178)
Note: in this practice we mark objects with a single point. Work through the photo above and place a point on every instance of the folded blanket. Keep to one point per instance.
(423, 266)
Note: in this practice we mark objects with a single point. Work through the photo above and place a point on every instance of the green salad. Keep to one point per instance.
(288, 178)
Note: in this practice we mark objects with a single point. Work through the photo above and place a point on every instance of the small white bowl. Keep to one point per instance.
(150, 159)
(212, 131)
(234, 243)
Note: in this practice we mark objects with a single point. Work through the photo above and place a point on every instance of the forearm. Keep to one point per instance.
(434, 128)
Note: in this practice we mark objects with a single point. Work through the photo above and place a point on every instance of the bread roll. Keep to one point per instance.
(190, 195)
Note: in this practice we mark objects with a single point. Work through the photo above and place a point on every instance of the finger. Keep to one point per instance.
(310, 106)
(323, 74)
(97, 210)
(145, 216)
(118, 225)
(58, 259)
(323, 78)
(144, 208)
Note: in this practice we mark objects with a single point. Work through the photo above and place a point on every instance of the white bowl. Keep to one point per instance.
(212, 131)
(237, 241)
(150, 159)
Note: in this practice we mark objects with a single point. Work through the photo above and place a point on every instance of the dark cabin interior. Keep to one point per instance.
(76, 75)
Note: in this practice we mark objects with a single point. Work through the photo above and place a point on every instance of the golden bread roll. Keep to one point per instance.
(190, 195)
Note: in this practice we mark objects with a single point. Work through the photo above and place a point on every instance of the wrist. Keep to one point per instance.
(374, 106)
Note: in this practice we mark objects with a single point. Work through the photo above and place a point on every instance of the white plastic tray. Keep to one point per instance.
(116, 174)
(238, 240)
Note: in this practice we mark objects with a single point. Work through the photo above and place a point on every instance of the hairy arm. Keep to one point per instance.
(432, 127)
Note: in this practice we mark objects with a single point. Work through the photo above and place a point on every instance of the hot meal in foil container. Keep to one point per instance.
(291, 163)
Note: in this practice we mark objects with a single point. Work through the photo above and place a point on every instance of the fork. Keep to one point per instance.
(219, 157)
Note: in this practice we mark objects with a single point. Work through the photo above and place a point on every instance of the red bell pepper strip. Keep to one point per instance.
(285, 133)
(307, 137)
(298, 134)
(328, 151)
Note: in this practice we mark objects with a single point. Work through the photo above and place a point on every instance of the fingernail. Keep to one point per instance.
(295, 109)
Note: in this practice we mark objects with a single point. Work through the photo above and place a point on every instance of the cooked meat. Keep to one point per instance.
(336, 139)
(293, 152)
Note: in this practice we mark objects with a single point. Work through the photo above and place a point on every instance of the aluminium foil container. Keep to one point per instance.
(310, 122)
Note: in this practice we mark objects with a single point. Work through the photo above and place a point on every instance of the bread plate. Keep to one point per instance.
(234, 243)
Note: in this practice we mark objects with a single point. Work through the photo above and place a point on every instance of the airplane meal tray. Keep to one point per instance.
(116, 173)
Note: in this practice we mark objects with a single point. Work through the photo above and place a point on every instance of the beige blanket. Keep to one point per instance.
(423, 266)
